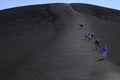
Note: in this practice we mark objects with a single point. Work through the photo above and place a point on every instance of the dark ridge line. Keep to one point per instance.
(26, 12)
(98, 11)
(34, 5)
(85, 4)
(9, 15)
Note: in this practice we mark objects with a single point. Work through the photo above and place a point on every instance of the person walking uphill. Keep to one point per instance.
(104, 52)
(81, 26)
(92, 34)
(97, 43)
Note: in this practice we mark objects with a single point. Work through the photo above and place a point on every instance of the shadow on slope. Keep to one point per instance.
(22, 31)
(26, 31)
(26, 13)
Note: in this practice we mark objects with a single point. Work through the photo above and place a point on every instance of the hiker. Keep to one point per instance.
(104, 52)
(81, 26)
(89, 36)
(78, 15)
(86, 35)
(92, 34)
(97, 43)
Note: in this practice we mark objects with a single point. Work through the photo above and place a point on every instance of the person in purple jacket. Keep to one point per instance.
(104, 52)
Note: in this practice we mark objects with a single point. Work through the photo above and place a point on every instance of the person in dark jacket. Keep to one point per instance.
(81, 26)
(97, 43)
(92, 34)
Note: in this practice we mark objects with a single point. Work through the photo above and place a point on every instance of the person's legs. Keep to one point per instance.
(97, 46)
(104, 54)
(89, 38)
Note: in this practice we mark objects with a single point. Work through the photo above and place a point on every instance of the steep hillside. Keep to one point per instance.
(105, 23)
(44, 42)
(24, 30)
(98, 11)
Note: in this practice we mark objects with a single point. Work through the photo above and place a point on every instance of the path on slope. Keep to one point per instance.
(69, 58)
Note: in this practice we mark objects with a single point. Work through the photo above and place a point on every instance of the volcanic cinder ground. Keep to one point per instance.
(45, 42)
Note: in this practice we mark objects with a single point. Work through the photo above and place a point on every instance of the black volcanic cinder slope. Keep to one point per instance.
(24, 30)
(105, 23)
(43, 42)
(26, 13)
(99, 12)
